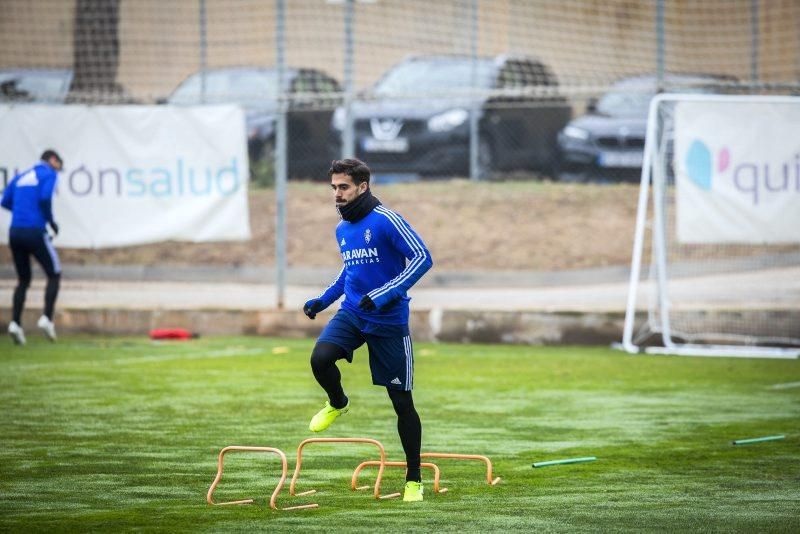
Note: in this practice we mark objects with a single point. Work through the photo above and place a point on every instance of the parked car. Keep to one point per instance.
(607, 142)
(313, 97)
(415, 119)
(45, 85)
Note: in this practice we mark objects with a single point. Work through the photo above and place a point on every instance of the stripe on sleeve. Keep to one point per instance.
(419, 253)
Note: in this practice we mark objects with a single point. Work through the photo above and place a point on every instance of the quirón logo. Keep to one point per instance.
(180, 179)
(756, 179)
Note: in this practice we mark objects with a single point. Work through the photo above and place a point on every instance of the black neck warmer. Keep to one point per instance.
(359, 208)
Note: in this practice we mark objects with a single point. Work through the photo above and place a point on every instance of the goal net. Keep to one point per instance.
(719, 218)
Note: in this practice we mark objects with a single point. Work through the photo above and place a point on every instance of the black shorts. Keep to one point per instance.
(391, 355)
(27, 242)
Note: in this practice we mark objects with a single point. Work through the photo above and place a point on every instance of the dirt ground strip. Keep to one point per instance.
(525, 225)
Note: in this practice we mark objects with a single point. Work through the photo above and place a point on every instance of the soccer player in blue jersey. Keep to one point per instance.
(29, 199)
(383, 257)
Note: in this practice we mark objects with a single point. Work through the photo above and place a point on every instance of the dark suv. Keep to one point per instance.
(415, 119)
(607, 143)
(313, 97)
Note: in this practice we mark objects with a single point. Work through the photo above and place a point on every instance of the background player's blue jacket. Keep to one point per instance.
(374, 251)
(29, 197)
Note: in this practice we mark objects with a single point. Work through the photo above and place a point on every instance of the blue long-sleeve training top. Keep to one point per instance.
(383, 257)
(29, 197)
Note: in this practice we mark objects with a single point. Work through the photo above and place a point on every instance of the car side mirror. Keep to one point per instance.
(591, 105)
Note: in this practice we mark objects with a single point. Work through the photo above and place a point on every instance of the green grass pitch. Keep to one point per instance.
(120, 434)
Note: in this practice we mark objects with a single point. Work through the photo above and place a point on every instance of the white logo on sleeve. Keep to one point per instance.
(395, 381)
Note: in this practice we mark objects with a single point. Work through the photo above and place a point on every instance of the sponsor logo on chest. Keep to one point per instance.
(360, 255)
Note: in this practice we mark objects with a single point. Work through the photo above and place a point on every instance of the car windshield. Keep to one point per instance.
(625, 103)
(252, 88)
(633, 99)
(35, 86)
(431, 76)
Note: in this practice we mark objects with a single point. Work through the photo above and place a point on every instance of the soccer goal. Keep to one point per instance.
(719, 216)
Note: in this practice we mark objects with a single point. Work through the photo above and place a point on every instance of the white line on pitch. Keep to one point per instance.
(151, 358)
(787, 385)
(224, 353)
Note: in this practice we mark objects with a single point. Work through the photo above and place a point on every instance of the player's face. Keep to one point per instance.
(344, 190)
(56, 163)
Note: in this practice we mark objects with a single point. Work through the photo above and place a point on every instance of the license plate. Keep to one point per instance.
(621, 159)
(370, 144)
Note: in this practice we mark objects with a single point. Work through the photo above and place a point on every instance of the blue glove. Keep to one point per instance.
(366, 304)
(313, 307)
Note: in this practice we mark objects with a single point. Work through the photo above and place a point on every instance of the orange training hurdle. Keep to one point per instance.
(362, 465)
(381, 464)
(483, 459)
(273, 498)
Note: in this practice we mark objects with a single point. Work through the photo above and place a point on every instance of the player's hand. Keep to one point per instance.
(54, 226)
(312, 308)
(366, 303)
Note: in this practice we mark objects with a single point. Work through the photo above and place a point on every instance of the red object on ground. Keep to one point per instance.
(171, 333)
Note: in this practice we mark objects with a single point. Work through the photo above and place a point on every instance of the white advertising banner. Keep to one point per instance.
(135, 174)
(737, 172)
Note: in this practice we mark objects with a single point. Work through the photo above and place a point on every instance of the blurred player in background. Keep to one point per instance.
(29, 199)
(383, 257)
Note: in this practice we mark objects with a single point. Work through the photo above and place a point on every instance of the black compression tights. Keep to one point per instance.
(323, 364)
(409, 428)
(50, 294)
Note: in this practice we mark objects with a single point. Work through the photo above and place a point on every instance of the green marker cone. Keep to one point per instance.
(566, 461)
(757, 440)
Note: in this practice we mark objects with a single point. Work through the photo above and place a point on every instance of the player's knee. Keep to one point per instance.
(324, 355)
(54, 277)
(402, 401)
(24, 281)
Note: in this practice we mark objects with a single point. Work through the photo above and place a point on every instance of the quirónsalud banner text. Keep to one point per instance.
(135, 174)
(737, 172)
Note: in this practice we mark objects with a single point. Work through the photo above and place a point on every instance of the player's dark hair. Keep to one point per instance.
(354, 168)
(49, 153)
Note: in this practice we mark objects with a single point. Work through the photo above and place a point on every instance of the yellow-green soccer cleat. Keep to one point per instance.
(414, 491)
(326, 416)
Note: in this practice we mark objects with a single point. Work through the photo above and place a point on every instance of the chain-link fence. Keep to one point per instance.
(418, 89)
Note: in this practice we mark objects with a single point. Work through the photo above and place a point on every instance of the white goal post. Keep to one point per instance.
(722, 227)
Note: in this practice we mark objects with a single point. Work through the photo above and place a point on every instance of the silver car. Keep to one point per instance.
(607, 143)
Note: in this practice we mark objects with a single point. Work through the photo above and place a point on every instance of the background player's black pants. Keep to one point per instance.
(323, 364)
(25, 242)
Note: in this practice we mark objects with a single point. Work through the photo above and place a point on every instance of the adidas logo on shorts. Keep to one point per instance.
(395, 381)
